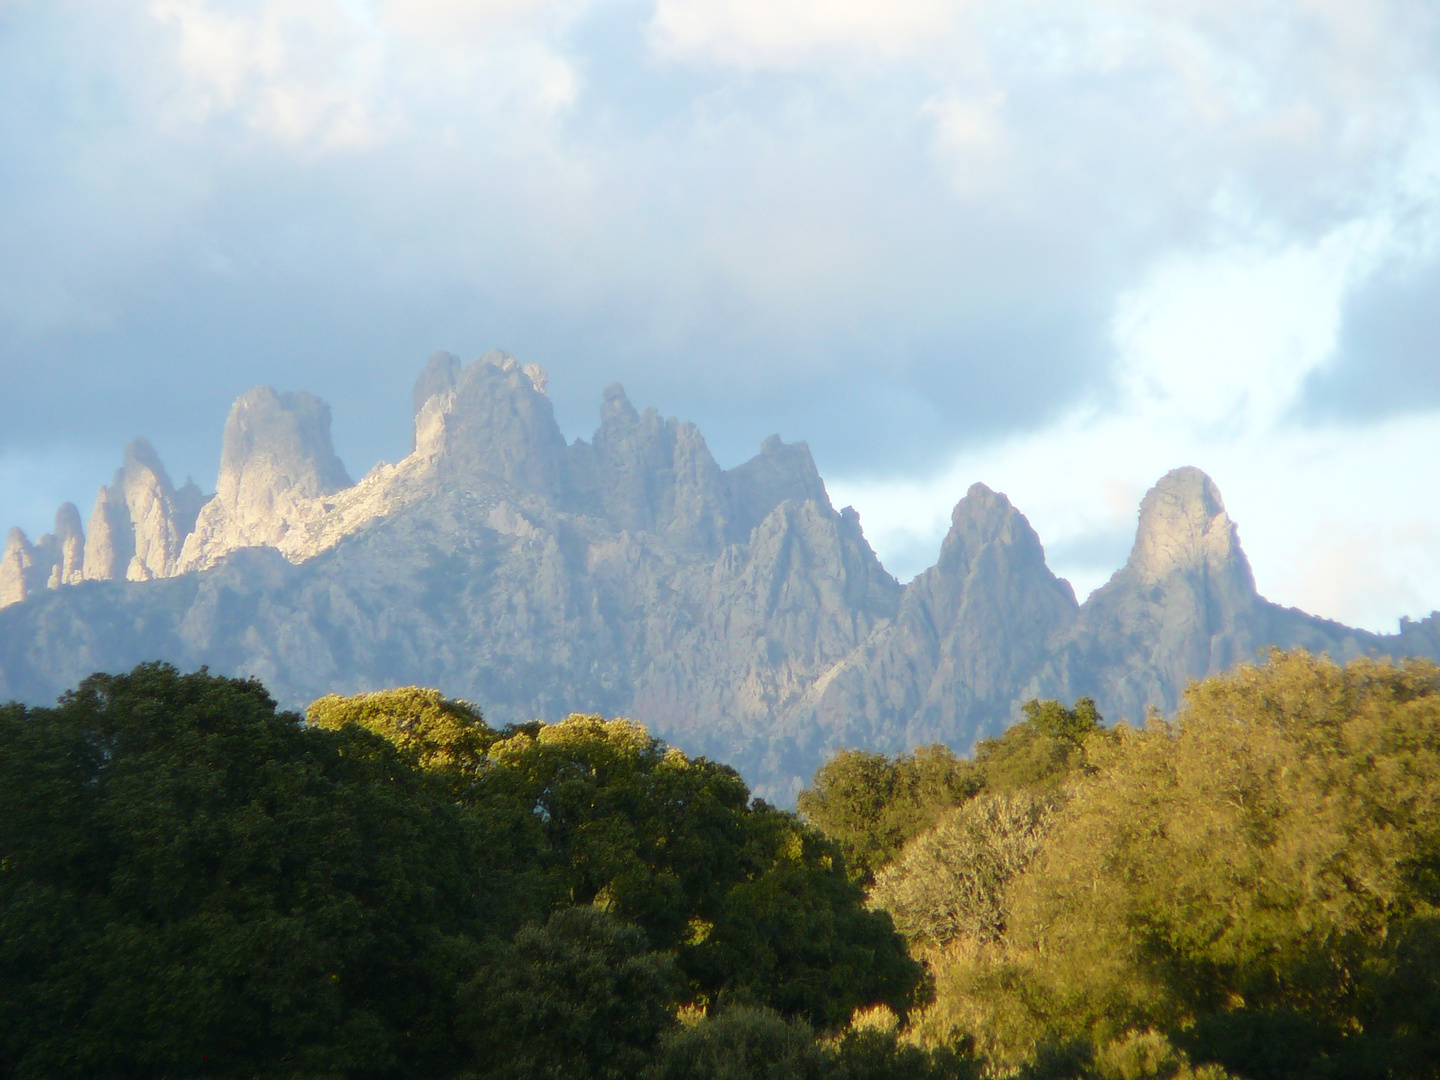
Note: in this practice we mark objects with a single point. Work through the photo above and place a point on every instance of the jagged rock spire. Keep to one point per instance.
(1184, 529)
(69, 568)
(276, 457)
(15, 568)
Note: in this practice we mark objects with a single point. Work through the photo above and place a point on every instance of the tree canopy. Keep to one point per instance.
(196, 884)
(193, 883)
(1257, 879)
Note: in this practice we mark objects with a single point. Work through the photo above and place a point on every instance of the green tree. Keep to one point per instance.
(741, 1043)
(793, 932)
(589, 811)
(951, 882)
(194, 884)
(431, 730)
(1042, 752)
(1228, 879)
(871, 804)
(580, 998)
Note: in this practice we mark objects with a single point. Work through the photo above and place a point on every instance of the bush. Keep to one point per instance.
(951, 881)
(580, 998)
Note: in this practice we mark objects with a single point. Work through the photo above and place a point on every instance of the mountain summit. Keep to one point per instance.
(734, 611)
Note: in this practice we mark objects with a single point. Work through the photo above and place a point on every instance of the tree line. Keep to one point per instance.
(194, 883)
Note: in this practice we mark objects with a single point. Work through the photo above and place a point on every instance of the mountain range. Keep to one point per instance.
(735, 612)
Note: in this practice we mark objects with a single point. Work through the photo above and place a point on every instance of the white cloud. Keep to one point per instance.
(333, 75)
(305, 72)
(788, 33)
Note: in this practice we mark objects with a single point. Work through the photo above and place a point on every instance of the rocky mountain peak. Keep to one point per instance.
(280, 443)
(780, 471)
(439, 376)
(1184, 529)
(985, 517)
(276, 458)
(615, 408)
(69, 568)
(501, 423)
(16, 564)
(149, 497)
(55, 559)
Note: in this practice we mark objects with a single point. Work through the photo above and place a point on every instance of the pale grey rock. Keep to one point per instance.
(1184, 606)
(110, 540)
(644, 474)
(780, 471)
(186, 503)
(439, 376)
(277, 464)
(138, 526)
(150, 500)
(68, 564)
(17, 566)
(500, 428)
(966, 634)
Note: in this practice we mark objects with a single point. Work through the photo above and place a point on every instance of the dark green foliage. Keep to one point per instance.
(1054, 719)
(744, 1043)
(871, 804)
(1135, 1055)
(756, 906)
(741, 1043)
(1041, 752)
(192, 884)
(611, 817)
(793, 934)
(861, 1053)
(580, 998)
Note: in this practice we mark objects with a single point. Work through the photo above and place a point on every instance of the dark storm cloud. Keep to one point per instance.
(1387, 359)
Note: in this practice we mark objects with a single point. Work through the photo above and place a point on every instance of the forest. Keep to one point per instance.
(194, 883)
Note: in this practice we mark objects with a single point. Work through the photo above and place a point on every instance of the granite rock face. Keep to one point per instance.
(967, 633)
(68, 564)
(17, 569)
(137, 528)
(276, 462)
(735, 612)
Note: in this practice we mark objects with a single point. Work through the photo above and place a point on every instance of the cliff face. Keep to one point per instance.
(735, 612)
(946, 667)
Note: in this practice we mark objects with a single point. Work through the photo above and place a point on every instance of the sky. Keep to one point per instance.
(1056, 246)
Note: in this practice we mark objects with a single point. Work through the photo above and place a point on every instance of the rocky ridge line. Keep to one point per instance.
(735, 612)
